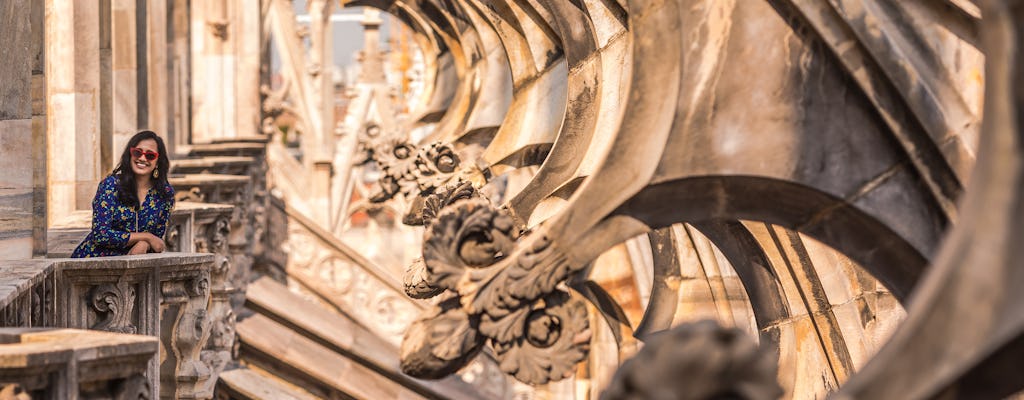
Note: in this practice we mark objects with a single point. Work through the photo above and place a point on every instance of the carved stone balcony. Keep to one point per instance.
(162, 295)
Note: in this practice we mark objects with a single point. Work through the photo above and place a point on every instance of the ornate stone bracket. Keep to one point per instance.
(538, 330)
(184, 307)
(115, 302)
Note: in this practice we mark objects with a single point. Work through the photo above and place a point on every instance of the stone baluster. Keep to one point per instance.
(185, 295)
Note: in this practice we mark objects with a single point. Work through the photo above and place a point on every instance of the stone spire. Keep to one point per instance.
(371, 58)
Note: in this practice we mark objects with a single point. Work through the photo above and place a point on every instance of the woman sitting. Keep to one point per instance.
(132, 204)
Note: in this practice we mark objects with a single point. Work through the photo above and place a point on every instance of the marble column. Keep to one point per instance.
(179, 85)
(156, 67)
(248, 51)
(20, 79)
(126, 100)
(72, 68)
(213, 70)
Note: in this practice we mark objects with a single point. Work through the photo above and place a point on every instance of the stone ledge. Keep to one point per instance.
(35, 358)
(228, 148)
(207, 179)
(19, 276)
(231, 165)
(244, 383)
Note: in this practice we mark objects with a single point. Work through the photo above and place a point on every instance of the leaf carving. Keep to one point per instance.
(542, 343)
(115, 302)
(442, 342)
(472, 234)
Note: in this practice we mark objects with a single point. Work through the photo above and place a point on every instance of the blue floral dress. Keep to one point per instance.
(112, 222)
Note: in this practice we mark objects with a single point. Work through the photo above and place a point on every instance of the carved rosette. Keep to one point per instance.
(538, 331)
(115, 303)
(472, 235)
(415, 281)
(543, 342)
(371, 140)
(413, 172)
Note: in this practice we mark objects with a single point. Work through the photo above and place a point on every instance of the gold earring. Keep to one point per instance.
(156, 173)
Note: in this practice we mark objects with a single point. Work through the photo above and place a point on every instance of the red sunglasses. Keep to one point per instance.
(150, 154)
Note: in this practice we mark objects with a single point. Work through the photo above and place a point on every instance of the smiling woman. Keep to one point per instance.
(132, 204)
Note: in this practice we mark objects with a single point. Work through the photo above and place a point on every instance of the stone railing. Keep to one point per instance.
(205, 228)
(162, 295)
(224, 158)
(211, 230)
(320, 263)
(56, 364)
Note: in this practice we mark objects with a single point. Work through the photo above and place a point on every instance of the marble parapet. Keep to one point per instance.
(163, 295)
(72, 363)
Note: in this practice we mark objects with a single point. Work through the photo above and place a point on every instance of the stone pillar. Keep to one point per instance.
(179, 84)
(126, 98)
(72, 105)
(38, 129)
(372, 63)
(213, 70)
(156, 67)
(248, 23)
(18, 78)
(321, 73)
(320, 197)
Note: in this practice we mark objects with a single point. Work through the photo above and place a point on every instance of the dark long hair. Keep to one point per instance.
(127, 192)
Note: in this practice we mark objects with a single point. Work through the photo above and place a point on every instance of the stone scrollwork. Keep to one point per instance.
(217, 234)
(115, 302)
(198, 286)
(173, 236)
(471, 235)
(192, 194)
(538, 331)
(191, 333)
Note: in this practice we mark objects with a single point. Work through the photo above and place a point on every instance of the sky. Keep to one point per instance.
(348, 33)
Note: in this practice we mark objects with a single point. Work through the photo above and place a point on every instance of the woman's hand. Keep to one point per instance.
(152, 242)
(142, 247)
(156, 244)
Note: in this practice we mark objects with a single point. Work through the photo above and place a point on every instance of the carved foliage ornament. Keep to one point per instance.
(425, 209)
(413, 172)
(115, 302)
(539, 331)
